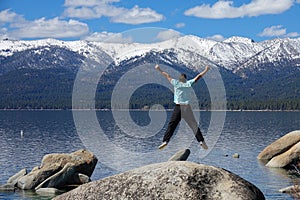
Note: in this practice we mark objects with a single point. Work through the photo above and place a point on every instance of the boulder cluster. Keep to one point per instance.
(175, 179)
(57, 171)
(284, 152)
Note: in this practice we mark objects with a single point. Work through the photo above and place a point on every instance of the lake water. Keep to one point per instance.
(44, 132)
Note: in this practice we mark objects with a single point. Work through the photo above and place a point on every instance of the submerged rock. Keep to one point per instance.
(169, 180)
(48, 191)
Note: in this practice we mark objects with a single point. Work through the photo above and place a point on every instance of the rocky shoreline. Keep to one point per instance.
(57, 173)
(177, 178)
(284, 153)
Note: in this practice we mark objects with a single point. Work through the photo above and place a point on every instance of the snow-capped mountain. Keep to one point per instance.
(235, 53)
(250, 70)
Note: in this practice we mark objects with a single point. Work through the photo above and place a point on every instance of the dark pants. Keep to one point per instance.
(185, 112)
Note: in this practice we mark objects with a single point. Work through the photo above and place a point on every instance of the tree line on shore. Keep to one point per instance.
(52, 89)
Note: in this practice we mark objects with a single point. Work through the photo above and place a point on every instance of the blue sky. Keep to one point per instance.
(96, 20)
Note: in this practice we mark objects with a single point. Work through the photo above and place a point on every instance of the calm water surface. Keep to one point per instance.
(246, 133)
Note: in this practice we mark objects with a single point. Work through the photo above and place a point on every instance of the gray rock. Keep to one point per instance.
(279, 146)
(181, 155)
(59, 179)
(169, 180)
(80, 178)
(285, 158)
(7, 188)
(14, 179)
(236, 155)
(47, 191)
(82, 161)
(65, 177)
(28, 181)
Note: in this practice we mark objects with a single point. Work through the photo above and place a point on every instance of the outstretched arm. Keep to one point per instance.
(201, 73)
(165, 74)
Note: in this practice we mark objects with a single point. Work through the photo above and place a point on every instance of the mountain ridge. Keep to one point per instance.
(228, 53)
(257, 75)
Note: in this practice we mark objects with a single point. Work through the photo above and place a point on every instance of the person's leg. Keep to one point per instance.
(175, 119)
(188, 116)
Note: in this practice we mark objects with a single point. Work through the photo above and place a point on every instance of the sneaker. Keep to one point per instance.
(163, 145)
(203, 145)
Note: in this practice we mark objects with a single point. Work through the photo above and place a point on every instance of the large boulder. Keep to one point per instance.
(63, 168)
(285, 158)
(279, 146)
(169, 180)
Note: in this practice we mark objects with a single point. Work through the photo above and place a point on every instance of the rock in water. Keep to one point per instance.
(285, 158)
(290, 189)
(280, 145)
(170, 180)
(7, 188)
(236, 155)
(14, 179)
(48, 191)
(62, 168)
(181, 155)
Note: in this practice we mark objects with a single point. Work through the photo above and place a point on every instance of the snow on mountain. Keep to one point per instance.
(235, 53)
(279, 52)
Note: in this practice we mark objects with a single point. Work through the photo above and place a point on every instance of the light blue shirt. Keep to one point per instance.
(182, 91)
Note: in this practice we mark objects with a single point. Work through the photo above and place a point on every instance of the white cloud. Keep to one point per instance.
(7, 16)
(137, 15)
(216, 37)
(93, 12)
(108, 37)
(167, 35)
(226, 9)
(180, 25)
(273, 31)
(4, 34)
(16, 27)
(96, 8)
(54, 28)
(277, 31)
(293, 34)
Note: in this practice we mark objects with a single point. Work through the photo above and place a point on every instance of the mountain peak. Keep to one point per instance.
(239, 39)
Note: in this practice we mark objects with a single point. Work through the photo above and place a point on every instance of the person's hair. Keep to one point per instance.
(182, 78)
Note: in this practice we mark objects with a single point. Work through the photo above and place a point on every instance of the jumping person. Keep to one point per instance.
(182, 89)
